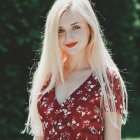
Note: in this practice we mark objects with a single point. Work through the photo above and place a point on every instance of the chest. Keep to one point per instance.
(85, 98)
(62, 92)
(83, 103)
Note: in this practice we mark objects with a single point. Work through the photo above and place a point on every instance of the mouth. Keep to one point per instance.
(70, 45)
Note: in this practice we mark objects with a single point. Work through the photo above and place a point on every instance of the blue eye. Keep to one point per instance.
(61, 30)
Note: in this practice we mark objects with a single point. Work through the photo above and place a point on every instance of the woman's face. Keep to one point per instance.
(73, 33)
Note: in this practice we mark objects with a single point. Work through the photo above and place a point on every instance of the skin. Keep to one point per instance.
(111, 133)
(80, 33)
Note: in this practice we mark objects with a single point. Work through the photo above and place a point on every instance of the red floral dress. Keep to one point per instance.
(79, 116)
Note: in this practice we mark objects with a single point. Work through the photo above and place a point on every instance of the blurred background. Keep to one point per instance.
(21, 29)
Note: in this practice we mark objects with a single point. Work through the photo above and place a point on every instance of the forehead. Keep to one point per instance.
(69, 17)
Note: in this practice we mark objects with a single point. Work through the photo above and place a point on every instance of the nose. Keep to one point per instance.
(68, 37)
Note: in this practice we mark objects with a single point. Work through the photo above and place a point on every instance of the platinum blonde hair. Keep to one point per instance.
(52, 60)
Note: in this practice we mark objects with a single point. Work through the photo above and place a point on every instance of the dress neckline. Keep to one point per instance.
(72, 94)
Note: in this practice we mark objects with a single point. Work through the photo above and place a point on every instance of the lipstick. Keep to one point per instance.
(72, 44)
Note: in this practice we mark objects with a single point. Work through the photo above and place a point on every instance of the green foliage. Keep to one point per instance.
(22, 24)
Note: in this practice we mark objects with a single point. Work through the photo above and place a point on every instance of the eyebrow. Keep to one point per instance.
(70, 24)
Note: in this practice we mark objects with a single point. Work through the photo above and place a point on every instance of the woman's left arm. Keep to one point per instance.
(111, 132)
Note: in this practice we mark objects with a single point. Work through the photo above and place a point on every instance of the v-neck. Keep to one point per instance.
(72, 94)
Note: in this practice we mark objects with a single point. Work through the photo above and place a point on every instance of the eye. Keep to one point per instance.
(61, 30)
(76, 27)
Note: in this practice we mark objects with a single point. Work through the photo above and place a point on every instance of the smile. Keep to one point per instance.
(70, 45)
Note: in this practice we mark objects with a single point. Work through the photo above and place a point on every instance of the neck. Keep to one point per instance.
(76, 62)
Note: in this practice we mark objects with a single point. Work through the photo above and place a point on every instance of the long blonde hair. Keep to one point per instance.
(52, 60)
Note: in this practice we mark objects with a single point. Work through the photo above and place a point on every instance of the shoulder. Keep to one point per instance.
(111, 72)
(40, 94)
(112, 75)
(45, 85)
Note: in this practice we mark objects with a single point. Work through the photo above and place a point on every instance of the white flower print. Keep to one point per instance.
(84, 98)
(93, 130)
(79, 92)
(73, 121)
(65, 111)
(78, 135)
(85, 123)
(89, 86)
(45, 125)
(96, 109)
(49, 109)
(82, 110)
(44, 102)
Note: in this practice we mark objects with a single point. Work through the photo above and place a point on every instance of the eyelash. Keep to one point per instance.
(62, 30)
(76, 27)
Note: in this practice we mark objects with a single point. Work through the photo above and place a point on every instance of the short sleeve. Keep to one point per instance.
(115, 85)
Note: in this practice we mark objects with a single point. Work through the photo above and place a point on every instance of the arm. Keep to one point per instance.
(38, 138)
(111, 133)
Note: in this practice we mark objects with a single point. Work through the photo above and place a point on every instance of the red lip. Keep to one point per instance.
(70, 45)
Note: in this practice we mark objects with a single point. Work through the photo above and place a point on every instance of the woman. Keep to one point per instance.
(77, 91)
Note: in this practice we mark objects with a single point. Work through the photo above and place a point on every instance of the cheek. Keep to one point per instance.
(60, 39)
(83, 39)
(83, 35)
(79, 34)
